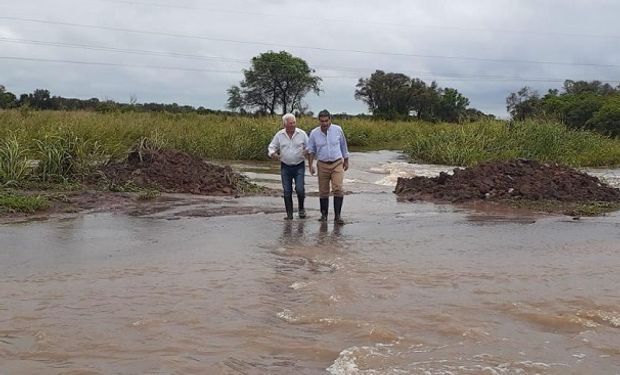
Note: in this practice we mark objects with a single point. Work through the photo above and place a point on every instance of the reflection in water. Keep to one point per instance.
(294, 233)
(332, 237)
(412, 288)
(290, 237)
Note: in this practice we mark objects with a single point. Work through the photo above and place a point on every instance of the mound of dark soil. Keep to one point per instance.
(515, 179)
(174, 171)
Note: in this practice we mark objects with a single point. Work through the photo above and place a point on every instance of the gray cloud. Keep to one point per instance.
(322, 32)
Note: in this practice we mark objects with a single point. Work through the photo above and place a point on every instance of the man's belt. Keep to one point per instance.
(330, 161)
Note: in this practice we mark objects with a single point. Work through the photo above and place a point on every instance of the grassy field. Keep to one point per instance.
(67, 144)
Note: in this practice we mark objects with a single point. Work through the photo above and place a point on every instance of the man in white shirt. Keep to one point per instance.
(289, 147)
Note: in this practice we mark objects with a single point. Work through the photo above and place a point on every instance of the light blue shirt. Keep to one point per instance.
(330, 147)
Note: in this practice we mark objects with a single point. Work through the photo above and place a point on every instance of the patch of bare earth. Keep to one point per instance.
(529, 183)
(175, 171)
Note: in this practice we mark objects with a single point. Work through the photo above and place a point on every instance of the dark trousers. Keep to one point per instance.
(290, 173)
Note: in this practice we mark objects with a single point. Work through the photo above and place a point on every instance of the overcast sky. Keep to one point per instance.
(190, 51)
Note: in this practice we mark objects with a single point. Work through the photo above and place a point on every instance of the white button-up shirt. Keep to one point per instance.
(291, 149)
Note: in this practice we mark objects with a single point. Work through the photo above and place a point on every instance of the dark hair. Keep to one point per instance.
(325, 113)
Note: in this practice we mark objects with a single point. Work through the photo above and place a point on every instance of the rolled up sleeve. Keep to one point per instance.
(274, 146)
(344, 149)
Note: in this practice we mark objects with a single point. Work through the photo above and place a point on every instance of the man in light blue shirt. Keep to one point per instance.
(328, 145)
(289, 147)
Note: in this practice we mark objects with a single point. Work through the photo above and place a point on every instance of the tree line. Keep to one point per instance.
(41, 99)
(587, 105)
(278, 81)
(397, 96)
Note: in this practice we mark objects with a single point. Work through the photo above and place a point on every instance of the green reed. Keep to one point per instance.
(14, 165)
(470, 144)
(68, 143)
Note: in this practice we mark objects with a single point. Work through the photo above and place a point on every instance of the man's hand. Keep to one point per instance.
(345, 164)
(275, 156)
(311, 169)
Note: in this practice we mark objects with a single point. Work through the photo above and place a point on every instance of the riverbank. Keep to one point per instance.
(162, 181)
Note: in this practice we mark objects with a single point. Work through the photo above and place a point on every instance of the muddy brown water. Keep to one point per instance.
(402, 288)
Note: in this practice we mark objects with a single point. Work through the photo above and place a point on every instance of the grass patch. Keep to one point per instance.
(38, 185)
(124, 187)
(567, 208)
(593, 209)
(243, 185)
(18, 203)
(148, 194)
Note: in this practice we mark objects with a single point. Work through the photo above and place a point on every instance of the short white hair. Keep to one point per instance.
(286, 117)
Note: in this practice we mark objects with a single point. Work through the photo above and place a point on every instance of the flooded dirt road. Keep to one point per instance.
(402, 288)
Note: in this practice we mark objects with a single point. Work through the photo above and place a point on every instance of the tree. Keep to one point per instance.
(235, 98)
(607, 119)
(583, 105)
(388, 95)
(452, 106)
(274, 81)
(593, 87)
(395, 95)
(424, 99)
(7, 99)
(523, 104)
(39, 99)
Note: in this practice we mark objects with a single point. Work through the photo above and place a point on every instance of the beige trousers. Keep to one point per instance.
(330, 172)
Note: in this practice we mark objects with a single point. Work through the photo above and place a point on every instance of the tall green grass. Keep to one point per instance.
(470, 144)
(14, 166)
(213, 137)
(54, 145)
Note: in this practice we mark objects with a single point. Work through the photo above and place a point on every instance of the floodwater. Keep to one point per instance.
(402, 288)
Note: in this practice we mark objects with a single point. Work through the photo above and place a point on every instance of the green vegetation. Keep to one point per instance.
(466, 145)
(567, 208)
(275, 80)
(52, 150)
(397, 96)
(16, 203)
(14, 165)
(148, 194)
(580, 105)
(51, 147)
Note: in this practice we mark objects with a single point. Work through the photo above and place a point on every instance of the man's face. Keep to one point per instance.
(325, 122)
(290, 125)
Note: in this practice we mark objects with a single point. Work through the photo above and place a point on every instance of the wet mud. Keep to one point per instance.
(525, 180)
(174, 171)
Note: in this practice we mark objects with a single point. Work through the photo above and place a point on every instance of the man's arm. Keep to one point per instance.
(344, 149)
(310, 157)
(274, 147)
(310, 151)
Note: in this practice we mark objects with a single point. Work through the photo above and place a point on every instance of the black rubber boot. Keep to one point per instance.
(324, 208)
(302, 211)
(288, 204)
(337, 209)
